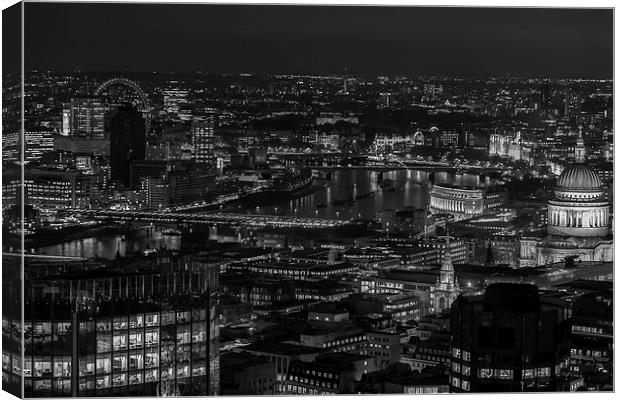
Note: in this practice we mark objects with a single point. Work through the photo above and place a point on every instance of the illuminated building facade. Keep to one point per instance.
(578, 222)
(45, 189)
(144, 327)
(464, 202)
(174, 98)
(86, 118)
(510, 146)
(38, 142)
(202, 141)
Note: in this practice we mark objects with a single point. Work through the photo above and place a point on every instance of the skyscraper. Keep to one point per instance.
(86, 118)
(127, 141)
(510, 338)
(145, 326)
(545, 97)
(202, 140)
(174, 98)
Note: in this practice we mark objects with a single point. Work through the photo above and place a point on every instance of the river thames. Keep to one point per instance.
(349, 194)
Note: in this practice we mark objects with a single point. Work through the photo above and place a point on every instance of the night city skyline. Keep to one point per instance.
(206, 200)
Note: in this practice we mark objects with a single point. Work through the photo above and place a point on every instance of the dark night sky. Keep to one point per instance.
(263, 39)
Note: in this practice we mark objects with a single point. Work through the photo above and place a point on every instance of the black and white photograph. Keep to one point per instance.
(237, 199)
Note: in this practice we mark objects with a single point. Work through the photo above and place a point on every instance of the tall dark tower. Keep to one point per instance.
(511, 338)
(545, 97)
(567, 98)
(127, 141)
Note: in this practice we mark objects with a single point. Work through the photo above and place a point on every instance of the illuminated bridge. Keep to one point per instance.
(250, 220)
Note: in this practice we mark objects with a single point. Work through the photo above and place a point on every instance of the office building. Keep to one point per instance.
(145, 326)
(202, 141)
(510, 338)
(86, 118)
(127, 141)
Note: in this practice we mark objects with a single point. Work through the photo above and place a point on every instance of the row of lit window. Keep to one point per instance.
(302, 390)
(114, 380)
(320, 374)
(117, 323)
(489, 373)
(314, 382)
(464, 355)
(587, 329)
(339, 342)
(588, 353)
(463, 370)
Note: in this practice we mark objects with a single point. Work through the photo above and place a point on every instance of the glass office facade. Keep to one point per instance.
(144, 328)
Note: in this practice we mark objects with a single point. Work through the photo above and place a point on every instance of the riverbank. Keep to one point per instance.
(48, 237)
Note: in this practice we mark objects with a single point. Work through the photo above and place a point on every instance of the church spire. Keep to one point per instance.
(446, 265)
(447, 287)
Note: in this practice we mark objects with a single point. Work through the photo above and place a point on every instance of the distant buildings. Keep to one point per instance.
(127, 141)
(173, 184)
(37, 143)
(202, 141)
(333, 373)
(464, 202)
(384, 142)
(174, 98)
(85, 118)
(510, 146)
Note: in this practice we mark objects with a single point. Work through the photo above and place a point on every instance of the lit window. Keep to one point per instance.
(456, 382)
(504, 373)
(485, 373)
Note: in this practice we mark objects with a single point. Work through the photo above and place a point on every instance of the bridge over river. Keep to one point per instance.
(250, 220)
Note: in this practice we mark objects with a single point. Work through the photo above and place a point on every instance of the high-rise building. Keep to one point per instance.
(202, 141)
(66, 122)
(127, 141)
(545, 97)
(38, 142)
(510, 338)
(145, 326)
(592, 344)
(174, 98)
(86, 118)
(140, 169)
